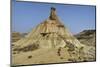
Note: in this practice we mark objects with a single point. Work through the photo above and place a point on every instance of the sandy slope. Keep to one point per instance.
(40, 56)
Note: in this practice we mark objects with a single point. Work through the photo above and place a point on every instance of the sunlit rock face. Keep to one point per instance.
(48, 34)
(50, 42)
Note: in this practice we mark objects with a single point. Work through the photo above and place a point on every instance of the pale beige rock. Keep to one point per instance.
(50, 33)
(49, 42)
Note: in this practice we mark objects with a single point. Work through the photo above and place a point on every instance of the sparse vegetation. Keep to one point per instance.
(61, 58)
(29, 57)
(27, 48)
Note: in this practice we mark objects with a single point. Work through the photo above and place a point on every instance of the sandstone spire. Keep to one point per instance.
(50, 33)
(53, 15)
(49, 42)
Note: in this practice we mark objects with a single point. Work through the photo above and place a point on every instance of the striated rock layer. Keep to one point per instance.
(48, 34)
(49, 42)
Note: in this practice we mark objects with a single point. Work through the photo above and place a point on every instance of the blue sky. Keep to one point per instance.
(26, 15)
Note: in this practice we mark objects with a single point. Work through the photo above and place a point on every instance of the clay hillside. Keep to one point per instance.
(87, 37)
(49, 42)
